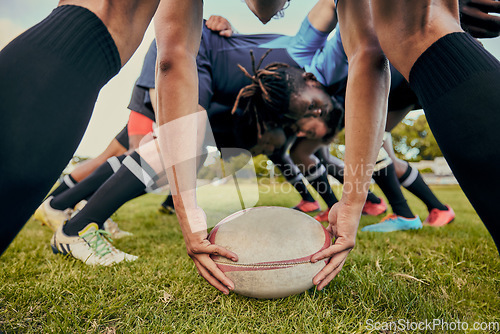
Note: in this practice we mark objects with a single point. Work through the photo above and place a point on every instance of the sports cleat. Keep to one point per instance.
(112, 228)
(92, 246)
(306, 206)
(322, 217)
(374, 209)
(80, 205)
(51, 217)
(166, 209)
(440, 217)
(393, 222)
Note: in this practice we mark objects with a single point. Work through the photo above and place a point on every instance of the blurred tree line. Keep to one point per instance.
(412, 140)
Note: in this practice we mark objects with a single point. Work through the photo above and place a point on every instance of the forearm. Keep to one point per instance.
(178, 33)
(366, 99)
(366, 109)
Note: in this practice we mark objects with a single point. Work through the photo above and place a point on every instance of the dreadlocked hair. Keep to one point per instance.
(267, 97)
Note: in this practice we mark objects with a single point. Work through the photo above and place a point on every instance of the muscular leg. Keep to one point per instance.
(334, 165)
(87, 187)
(388, 182)
(314, 171)
(412, 180)
(335, 168)
(39, 139)
(114, 149)
(117, 190)
(292, 173)
(456, 81)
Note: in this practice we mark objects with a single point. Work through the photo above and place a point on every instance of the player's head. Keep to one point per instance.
(265, 10)
(317, 114)
(284, 96)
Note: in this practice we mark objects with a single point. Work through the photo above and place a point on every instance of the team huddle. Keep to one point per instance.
(283, 96)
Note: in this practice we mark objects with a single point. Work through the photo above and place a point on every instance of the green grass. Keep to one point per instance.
(449, 273)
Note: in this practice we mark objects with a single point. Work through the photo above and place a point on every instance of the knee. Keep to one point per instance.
(400, 166)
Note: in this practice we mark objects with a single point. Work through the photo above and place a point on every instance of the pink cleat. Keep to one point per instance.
(307, 207)
(374, 209)
(322, 217)
(440, 217)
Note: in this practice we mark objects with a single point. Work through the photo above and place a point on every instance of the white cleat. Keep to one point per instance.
(92, 246)
(109, 225)
(51, 217)
(112, 228)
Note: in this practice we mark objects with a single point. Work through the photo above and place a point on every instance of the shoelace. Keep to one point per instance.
(389, 217)
(99, 241)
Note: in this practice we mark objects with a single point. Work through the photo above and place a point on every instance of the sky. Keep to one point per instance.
(111, 113)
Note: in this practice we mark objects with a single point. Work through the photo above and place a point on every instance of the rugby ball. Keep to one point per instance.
(274, 246)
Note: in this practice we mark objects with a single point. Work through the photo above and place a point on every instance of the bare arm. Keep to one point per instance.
(178, 33)
(366, 108)
(323, 15)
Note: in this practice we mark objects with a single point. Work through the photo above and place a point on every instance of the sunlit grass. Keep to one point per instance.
(449, 273)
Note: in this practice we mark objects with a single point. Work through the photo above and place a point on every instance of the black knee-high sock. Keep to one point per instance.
(388, 181)
(88, 186)
(40, 131)
(67, 182)
(334, 165)
(318, 178)
(300, 186)
(169, 201)
(116, 191)
(412, 180)
(292, 174)
(373, 198)
(457, 82)
(335, 168)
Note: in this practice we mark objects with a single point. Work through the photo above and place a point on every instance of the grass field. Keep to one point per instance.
(450, 273)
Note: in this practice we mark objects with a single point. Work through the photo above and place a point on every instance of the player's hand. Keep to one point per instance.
(343, 225)
(199, 249)
(475, 19)
(220, 24)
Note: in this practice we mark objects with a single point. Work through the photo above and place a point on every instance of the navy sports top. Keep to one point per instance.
(220, 79)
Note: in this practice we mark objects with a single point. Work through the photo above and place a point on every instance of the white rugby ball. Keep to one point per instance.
(274, 246)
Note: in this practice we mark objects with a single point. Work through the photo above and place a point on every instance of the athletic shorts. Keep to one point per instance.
(138, 124)
(141, 103)
(122, 138)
